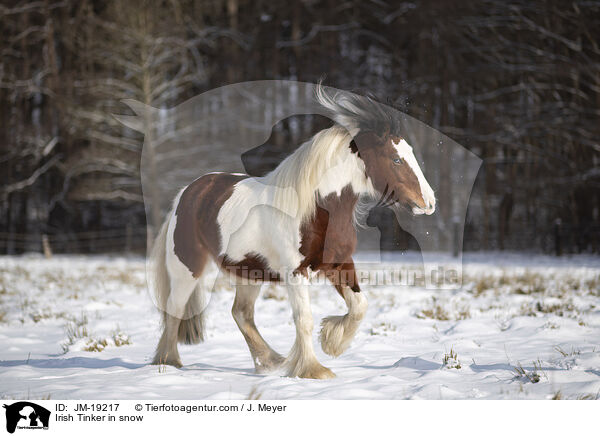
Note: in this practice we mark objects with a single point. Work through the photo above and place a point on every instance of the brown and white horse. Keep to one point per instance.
(296, 221)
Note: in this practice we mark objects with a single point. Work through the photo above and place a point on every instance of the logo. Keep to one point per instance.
(26, 415)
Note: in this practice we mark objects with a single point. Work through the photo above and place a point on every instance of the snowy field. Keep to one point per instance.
(521, 327)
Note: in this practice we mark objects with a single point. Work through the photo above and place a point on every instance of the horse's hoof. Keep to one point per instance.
(320, 373)
(333, 338)
(273, 362)
(315, 371)
(170, 362)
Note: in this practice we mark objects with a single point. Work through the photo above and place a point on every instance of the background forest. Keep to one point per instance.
(515, 82)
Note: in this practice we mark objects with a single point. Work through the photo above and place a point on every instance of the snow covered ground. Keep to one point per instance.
(521, 327)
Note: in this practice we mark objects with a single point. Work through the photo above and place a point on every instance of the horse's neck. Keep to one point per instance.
(340, 187)
(317, 169)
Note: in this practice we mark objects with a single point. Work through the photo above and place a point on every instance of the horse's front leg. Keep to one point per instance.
(337, 332)
(265, 359)
(302, 361)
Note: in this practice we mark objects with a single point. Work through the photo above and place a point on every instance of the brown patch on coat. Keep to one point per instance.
(396, 182)
(253, 267)
(328, 240)
(197, 230)
(197, 233)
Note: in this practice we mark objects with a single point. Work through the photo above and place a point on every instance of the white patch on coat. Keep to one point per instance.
(248, 198)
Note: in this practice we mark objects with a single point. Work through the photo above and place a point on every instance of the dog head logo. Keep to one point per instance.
(26, 415)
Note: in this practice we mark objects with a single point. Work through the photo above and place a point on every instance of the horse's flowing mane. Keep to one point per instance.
(356, 112)
(304, 169)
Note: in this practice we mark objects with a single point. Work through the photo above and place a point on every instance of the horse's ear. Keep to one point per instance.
(386, 133)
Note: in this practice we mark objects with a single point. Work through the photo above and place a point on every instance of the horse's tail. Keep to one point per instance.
(191, 327)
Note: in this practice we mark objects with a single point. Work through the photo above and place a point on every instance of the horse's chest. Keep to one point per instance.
(329, 238)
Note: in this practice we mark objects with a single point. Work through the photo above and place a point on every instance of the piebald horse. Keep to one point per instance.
(297, 219)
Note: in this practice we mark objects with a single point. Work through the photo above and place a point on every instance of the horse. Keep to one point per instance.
(292, 223)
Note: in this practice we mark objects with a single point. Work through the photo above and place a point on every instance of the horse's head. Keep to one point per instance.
(391, 166)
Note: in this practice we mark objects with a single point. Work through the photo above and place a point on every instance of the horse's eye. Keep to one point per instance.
(397, 160)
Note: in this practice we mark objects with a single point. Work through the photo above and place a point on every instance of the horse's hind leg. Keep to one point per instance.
(182, 285)
(302, 361)
(166, 350)
(265, 359)
(337, 332)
